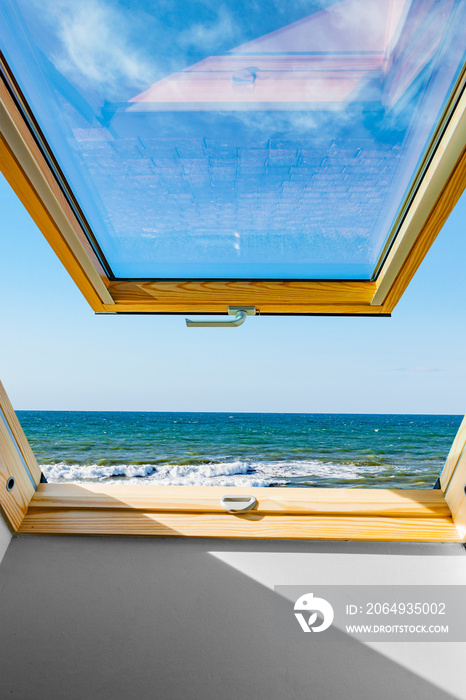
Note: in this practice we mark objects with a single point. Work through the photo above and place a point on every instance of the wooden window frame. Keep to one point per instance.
(45, 194)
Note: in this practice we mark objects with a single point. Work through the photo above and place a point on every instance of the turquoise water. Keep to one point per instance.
(240, 449)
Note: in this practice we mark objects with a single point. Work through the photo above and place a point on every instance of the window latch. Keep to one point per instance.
(239, 313)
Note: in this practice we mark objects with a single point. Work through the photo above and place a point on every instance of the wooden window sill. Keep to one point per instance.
(281, 513)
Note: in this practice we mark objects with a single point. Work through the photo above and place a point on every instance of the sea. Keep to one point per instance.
(240, 449)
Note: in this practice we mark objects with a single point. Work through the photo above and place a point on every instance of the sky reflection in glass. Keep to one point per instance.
(237, 140)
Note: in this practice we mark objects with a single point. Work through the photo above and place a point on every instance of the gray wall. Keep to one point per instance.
(84, 618)
(5, 537)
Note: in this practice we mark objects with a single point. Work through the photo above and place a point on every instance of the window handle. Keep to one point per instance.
(238, 504)
(239, 313)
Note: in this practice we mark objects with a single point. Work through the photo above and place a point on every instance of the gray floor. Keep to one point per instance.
(85, 618)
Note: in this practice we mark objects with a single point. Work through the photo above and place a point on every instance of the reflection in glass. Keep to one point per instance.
(240, 140)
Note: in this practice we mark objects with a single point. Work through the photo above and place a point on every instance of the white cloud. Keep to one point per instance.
(206, 37)
(96, 45)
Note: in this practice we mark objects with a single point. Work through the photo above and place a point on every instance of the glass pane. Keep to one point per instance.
(237, 139)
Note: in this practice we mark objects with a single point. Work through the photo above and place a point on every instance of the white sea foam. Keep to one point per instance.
(236, 473)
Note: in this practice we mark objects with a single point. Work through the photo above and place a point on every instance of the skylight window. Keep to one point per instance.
(238, 141)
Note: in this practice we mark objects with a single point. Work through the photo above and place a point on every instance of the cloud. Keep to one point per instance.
(97, 45)
(205, 37)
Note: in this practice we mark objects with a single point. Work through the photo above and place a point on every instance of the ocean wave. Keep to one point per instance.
(225, 474)
(235, 473)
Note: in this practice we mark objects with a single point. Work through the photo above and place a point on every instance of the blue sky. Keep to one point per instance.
(56, 354)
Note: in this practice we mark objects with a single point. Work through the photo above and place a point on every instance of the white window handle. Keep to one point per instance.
(239, 313)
